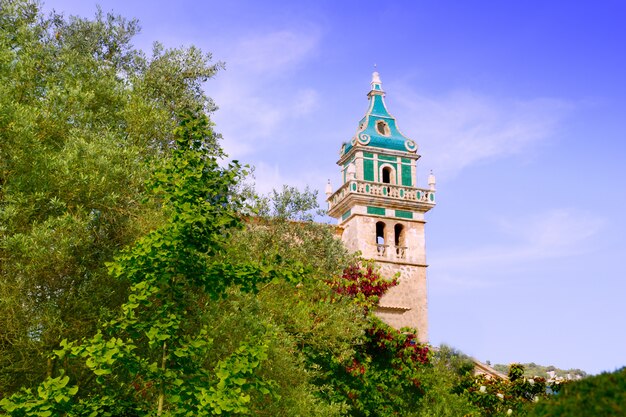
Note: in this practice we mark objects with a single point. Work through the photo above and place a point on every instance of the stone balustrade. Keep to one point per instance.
(389, 191)
(396, 252)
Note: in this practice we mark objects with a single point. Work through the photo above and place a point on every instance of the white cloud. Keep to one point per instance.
(305, 102)
(254, 94)
(463, 128)
(234, 148)
(554, 233)
(275, 51)
(251, 122)
(457, 281)
(269, 177)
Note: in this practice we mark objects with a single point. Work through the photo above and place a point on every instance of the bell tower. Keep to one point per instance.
(381, 210)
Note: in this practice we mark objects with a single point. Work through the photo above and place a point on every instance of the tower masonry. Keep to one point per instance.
(381, 210)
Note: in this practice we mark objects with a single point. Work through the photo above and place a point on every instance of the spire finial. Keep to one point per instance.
(329, 189)
(376, 78)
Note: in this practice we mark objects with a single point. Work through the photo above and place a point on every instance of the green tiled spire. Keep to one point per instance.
(378, 128)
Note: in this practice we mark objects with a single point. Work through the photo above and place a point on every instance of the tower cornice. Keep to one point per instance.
(352, 152)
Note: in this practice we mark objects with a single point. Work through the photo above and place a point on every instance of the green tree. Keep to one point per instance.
(342, 359)
(309, 321)
(83, 117)
(503, 397)
(152, 358)
(288, 204)
(440, 398)
(601, 395)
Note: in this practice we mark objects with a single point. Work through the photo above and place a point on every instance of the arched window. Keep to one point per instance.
(399, 241)
(380, 239)
(387, 175)
(398, 230)
(380, 233)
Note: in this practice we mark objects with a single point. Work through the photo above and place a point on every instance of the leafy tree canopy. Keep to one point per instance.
(152, 358)
(83, 117)
(601, 395)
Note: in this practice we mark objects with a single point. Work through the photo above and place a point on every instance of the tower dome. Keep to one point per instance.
(378, 128)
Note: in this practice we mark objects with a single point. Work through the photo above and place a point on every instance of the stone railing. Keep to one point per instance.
(397, 192)
(397, 252)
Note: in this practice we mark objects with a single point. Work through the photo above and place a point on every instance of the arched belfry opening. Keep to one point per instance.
(387, 175)
(380, 238)
(399, 240)
(380, 233)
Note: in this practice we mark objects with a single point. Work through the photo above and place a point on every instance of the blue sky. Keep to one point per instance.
(519, 108)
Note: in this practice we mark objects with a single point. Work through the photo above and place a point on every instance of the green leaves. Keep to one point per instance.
(236, 376)
(52, 398)
(602, 395)
(153, 354)
(495, 396)
(84, 119)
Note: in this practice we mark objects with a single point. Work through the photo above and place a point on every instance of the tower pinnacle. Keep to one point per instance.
(376, 78)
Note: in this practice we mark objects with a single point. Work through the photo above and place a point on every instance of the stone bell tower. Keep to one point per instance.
(381, 210)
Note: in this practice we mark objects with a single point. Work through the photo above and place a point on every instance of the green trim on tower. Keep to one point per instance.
(387, 158)
(407, 179)
(404, 214)
(346, 215)
(368, 169)
(379, 211)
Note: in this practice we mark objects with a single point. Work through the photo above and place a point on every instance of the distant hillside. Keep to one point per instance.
(548, 372)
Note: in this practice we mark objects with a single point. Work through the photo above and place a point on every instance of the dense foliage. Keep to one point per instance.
(502, 397)
(601, 395)
(151, 358)
(83, 117)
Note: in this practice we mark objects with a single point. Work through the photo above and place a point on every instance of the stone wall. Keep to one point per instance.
(405, 305)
